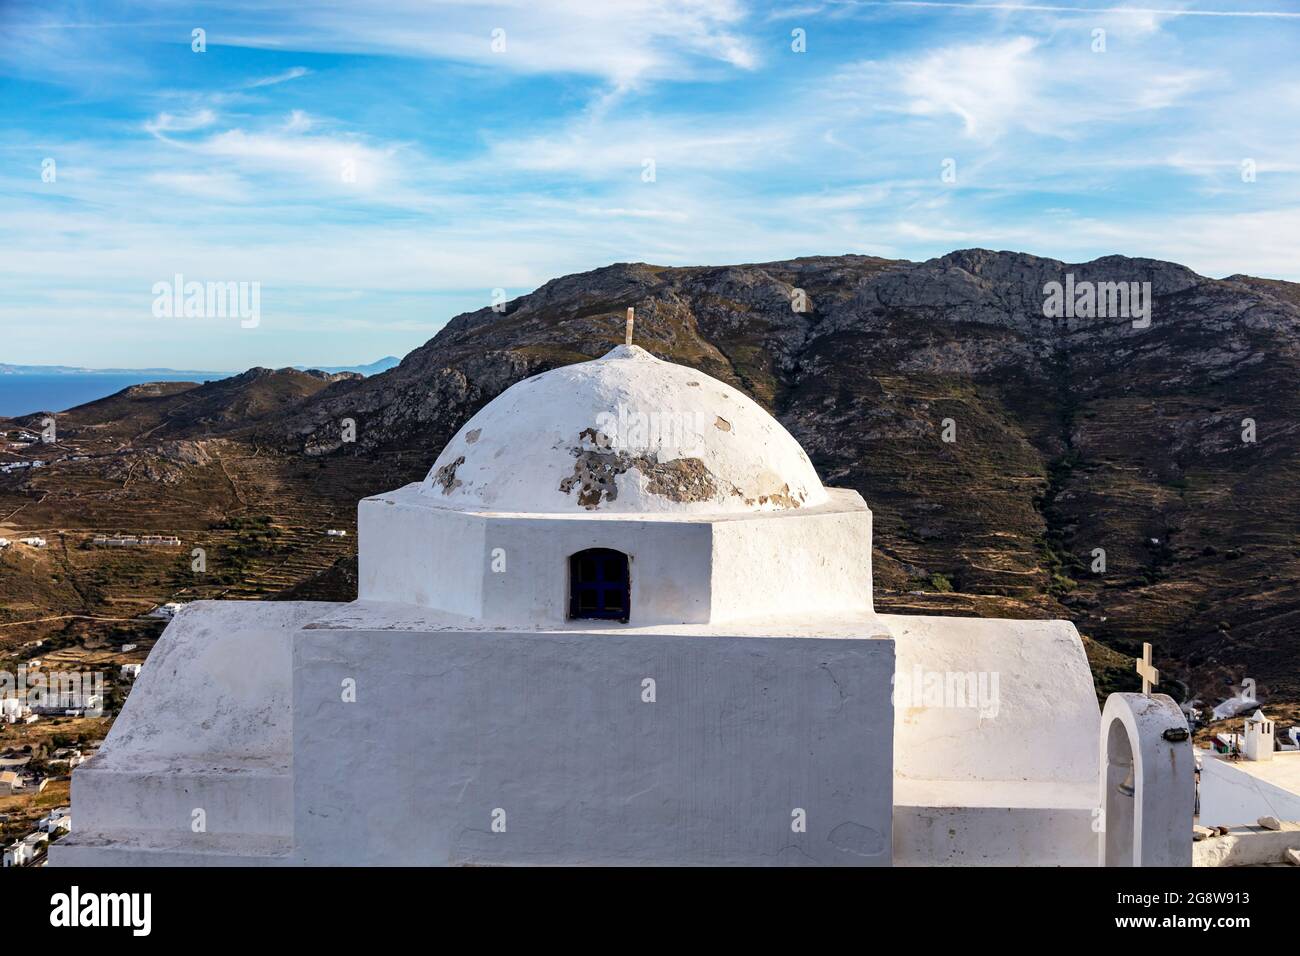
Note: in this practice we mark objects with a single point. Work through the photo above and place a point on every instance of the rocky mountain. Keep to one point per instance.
(371, 368)
(1134, 472)
(1138, 475)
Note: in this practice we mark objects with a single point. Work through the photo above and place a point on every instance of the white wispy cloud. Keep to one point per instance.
(338, 161)
(1120, 10)
(622, 146)
(988, 86)
(994, 87)
(180, 123)
(623, 43)
(208, 185)
(286, 76)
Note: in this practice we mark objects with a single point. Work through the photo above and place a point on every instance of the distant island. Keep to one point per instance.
(172, 374)
(374, 368)
(7, 369)
(30, 388)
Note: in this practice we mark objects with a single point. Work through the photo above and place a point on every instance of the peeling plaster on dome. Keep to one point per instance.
(624, 434)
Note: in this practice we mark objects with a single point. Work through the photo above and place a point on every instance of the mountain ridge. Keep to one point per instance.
(1073, 435)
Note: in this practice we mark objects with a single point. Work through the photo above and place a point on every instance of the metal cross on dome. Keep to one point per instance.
(631, 317)
(1150, 676)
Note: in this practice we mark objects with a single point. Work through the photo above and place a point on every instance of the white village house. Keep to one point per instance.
(25, 850)
(67, 755)
(639, 630)
(136, 541)
(18, 854)
(166, 611)
(13, 710)
(60, 818)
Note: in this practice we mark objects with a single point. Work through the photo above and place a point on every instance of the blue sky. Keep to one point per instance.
(475, 169)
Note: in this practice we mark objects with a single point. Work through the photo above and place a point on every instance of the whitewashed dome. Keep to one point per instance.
(623, 434)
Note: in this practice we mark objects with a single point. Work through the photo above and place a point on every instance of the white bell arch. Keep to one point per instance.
(1147, 779)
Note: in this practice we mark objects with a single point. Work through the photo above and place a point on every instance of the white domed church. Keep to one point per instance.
(621, 621)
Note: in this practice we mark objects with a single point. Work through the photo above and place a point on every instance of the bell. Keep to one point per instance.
(1127, 788)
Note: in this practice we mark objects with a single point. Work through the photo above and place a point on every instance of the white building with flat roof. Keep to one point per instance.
(1260, 781)
(24, 851)
(166, 611)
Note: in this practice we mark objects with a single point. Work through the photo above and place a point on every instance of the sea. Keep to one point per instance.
(46, 392)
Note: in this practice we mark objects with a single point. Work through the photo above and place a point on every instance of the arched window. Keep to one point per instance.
(598, 585)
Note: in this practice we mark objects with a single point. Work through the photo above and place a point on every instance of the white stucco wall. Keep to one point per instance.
(1234, 793)
(1008, 833)
(1046, 719)
(217, 682)
(668, 567)
(1006, 775)
(245, 718)
(410, 553)
(207, 727)
(816, 561)
(512, 569)
(552, 729)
